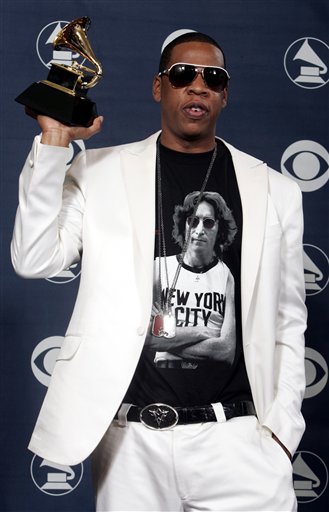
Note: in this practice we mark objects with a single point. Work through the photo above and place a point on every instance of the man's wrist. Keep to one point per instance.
(55, 138)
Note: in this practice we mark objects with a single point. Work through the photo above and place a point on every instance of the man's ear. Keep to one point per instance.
(156, 88)
(225, 97)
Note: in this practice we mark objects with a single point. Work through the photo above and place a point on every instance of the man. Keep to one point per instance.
(203, 301)
(168, 438)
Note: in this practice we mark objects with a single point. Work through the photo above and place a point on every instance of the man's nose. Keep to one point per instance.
(200, 227)
(198, 84)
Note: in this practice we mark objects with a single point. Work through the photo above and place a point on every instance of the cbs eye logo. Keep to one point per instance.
(316, 371)
(44, 357)
(307, 163)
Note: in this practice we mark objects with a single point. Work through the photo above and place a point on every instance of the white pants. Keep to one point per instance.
(230, 466)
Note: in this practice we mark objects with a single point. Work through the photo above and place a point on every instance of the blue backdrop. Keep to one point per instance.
(278, 58)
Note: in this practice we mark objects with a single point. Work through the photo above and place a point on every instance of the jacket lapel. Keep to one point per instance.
(138, 171)
(253, 186)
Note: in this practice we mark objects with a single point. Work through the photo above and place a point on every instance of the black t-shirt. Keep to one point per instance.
(193, 368)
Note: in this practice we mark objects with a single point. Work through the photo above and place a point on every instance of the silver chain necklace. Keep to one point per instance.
(164, 322)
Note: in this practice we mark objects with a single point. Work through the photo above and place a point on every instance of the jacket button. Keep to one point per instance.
(140, 330)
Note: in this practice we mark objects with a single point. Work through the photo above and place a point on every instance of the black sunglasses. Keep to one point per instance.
(182, 74)
(207, 222)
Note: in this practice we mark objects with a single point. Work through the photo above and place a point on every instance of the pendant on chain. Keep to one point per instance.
(164, 325)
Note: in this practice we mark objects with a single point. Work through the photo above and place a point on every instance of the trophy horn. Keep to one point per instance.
(74, 36)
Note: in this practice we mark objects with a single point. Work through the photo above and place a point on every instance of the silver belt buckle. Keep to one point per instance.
(159, 417)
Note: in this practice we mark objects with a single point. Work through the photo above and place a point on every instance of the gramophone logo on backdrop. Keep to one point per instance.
(307, 163)
(67, 275)
(306, 63)
(45, 50)
(316, 370)
(316, 269)
(310, 476)
(55, 479)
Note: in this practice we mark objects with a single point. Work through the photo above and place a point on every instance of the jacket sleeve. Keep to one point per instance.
(48, 225)
(284, 418)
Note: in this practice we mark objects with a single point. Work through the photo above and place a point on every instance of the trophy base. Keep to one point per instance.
(69, 109)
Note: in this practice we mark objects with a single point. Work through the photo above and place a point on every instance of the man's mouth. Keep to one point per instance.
(195, 110)
(199, 240)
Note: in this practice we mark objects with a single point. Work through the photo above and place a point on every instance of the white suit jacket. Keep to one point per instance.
(108, 209)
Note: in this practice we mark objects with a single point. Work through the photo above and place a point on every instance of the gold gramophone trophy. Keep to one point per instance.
(63, 96)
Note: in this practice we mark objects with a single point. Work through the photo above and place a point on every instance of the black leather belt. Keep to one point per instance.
(163, 417)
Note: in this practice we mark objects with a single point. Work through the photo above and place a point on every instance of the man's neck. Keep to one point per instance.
(188, 146)
(198, 261)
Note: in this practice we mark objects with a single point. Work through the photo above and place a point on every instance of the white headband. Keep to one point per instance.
(174, 36)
